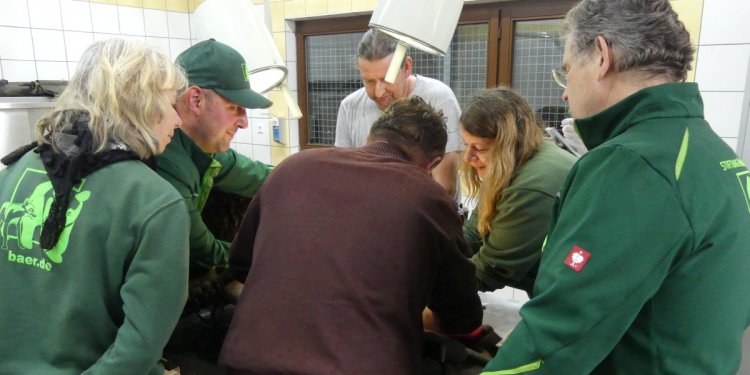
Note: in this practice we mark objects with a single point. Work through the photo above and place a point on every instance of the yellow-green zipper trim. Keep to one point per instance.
(681, 156)
(525, 368)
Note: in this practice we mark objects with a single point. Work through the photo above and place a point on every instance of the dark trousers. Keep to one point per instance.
(196, 342)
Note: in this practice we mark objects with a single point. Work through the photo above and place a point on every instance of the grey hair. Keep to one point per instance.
(376, 45)
(645, 35)
(124, 86)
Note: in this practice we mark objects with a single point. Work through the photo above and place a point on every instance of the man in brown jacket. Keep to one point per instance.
(342, 249)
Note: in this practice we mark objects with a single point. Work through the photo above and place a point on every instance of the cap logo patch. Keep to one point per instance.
(577, 258)
(245, 71)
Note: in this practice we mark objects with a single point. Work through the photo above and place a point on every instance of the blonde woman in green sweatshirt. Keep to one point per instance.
(94, 244)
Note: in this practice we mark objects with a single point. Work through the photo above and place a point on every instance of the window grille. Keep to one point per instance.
(332, 73)
(537, 49)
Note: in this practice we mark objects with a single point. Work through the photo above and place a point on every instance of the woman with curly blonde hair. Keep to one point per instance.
(514, 174)
(95, 243)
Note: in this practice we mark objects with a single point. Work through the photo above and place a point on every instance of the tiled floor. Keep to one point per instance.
(501, 309)
(501, 312)
(745, 364)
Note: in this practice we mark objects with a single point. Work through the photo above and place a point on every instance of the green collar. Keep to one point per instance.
(201, 159)
(666, 100)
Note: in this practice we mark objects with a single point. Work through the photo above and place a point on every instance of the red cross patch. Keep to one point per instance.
(577, 258)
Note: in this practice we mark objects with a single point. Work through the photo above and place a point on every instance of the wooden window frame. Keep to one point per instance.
(499, 16)
(514, 11)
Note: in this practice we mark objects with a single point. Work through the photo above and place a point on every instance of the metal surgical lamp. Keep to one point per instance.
(425, 24)
(233, 23)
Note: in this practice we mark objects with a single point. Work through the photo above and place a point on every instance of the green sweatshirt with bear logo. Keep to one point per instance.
(106, 298)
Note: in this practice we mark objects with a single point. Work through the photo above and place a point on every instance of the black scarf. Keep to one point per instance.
(66, 169)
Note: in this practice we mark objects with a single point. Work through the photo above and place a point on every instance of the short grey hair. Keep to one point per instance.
(376, 45)
(645, 35)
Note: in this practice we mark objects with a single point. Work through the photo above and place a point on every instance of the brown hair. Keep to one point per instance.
(413, 126)
(505, 117)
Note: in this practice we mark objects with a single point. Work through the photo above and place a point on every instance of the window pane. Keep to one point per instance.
(331, 76)
(537, 49)
(332, 73)
(464, 68)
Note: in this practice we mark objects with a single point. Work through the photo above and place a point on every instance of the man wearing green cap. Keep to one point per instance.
(198, 159)
(212, 110)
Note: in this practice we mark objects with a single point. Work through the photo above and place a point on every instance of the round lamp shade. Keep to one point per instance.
(233, 23)
(424, 24)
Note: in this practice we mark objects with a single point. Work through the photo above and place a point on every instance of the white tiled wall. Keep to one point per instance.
(722, 69)
(40, 37)
(44, 39)
(255, 140)
(722, 65)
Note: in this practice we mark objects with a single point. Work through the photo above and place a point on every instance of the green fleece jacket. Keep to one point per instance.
(645, 268)
(183, 164)
(106, 298)
(509, 255)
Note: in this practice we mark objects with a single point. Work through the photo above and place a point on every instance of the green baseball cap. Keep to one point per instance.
(219, 67)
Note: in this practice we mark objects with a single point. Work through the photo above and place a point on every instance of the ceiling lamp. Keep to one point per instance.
(233, 23)
(425, 24)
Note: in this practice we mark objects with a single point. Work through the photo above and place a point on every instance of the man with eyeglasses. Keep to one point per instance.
(645, 266)
(571, 139)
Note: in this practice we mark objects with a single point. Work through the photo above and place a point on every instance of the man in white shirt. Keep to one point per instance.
(360, 109)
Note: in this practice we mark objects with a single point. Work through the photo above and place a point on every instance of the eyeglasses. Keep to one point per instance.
(560, 77)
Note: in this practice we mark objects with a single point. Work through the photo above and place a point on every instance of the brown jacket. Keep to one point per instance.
(344, 248)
